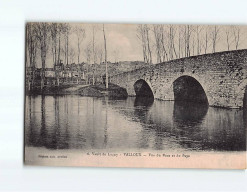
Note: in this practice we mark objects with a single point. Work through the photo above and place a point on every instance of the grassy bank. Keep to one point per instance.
(98, 90)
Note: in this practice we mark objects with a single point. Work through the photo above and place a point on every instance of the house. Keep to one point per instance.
(49, 73)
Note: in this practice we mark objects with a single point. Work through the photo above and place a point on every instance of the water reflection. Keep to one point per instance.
(75, 122)
(189, 111)
(144, 101)
(106, 122)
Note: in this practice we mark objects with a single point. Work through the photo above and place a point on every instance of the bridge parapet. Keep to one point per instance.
(222, 75)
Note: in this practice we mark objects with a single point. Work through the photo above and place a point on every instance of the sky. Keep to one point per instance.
(119, 37)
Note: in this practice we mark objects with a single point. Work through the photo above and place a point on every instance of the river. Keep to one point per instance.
(76, 122)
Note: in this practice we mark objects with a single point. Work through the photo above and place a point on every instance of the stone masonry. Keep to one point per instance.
(222, 75)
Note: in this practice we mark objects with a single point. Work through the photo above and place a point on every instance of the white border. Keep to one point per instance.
(13, 14)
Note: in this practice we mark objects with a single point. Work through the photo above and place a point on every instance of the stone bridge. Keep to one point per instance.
(220, 79)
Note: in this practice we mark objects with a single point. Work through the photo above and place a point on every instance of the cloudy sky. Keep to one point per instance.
(120, 37)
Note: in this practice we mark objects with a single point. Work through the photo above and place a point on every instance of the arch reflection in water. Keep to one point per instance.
(203, 128)
(188, 118)
(124, 124)
(189, 111)
(143, 101)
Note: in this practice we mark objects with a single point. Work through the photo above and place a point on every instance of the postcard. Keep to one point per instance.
(135, 95)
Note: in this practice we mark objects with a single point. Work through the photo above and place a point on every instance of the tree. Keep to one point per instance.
(66, 30)
(215, 37)
(88, 54)
(80, 34)
(143, 36)
(205, 42)
(158, 35)
(106, 68)
(62, 29)
(199, 30)
(140, 36)
(187, 40)
(171, 35)
(42, 31)
(31, 40)
(228, 37)
(164, 45)
(94, 30)
(54, 31)
(236, 35)
(31, 46)
(180, 41)
(146, 30)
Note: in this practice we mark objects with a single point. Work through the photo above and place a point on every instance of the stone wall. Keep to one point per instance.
(222, 75)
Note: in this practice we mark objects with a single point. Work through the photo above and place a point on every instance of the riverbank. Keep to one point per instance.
(98, 90)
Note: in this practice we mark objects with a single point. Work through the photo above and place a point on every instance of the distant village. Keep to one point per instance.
(70, 74)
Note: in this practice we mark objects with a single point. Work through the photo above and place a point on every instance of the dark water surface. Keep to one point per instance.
(75, 122)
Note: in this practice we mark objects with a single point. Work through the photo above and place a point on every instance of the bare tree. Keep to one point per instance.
(172, 34)
(164, 44)
(215, 37)
(236, 35)
(54, 32)
(199, 30)
(31, 46)
(80, 34)
(193, 44)
(31, 40)
(106, 68)
(205, 42)
(144, 36)
(93, 41)
(146, 30)
(180, 41)
(66, 30)
(187, 39)
(42, 32)
(158, 35)
(61, 29)
(94, 30)
(228, 37)
(141, 36)
(88, 54)
(57, 29)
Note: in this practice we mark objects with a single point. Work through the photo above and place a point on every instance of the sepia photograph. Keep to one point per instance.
(123, 96)
(135, 95)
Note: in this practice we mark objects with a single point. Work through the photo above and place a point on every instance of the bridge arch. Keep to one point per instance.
(220, 75)
(143, 88)
(189, 89)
